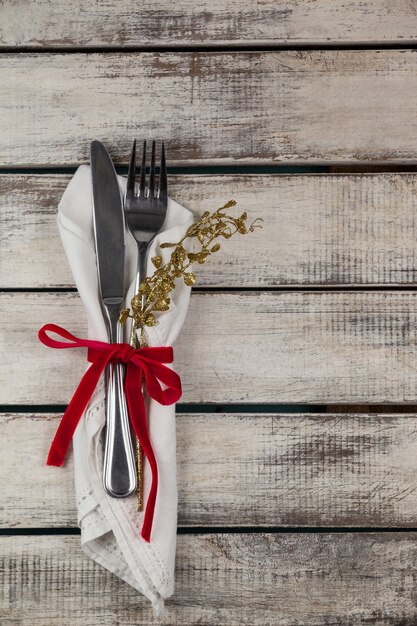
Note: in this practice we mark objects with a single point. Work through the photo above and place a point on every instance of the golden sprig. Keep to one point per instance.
(153, 295)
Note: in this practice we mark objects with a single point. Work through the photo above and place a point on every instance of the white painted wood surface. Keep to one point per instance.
(233, 579)
(334, 106)
(241, 470)
(318, 230)
(327, 106)
(317, 347)
(86, 23)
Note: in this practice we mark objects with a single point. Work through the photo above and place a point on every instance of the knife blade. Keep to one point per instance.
(119, 472)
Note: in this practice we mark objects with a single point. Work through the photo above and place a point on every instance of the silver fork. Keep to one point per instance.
(145, 212)
(144, 215)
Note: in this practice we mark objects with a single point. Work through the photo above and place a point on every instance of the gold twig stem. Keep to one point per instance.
(138, 448)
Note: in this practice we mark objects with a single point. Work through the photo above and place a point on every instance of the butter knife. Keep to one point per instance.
(119, 473)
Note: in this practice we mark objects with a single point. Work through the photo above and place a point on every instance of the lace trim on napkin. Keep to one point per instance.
(98, 536)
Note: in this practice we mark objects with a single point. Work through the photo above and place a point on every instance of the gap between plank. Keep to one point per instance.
(276, 168)
(199, 408)
(220, 530)
(220, 47)
(219, 290)
(283, 169)
(183, 408)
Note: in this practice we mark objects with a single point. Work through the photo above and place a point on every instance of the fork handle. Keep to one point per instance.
(140, 275)
(119, 472)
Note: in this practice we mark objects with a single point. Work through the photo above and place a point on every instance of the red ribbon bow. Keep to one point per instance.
(141, 361)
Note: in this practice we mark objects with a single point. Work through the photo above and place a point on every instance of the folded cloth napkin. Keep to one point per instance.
(110, 527)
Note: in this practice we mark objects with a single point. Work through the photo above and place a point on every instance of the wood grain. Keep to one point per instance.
(257, 107)
(189, 23)
(274, 470)
(253, 579)
(318, 230)
(318, 347)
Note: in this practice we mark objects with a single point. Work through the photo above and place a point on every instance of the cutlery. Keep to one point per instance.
(144, 213)
(119, 471)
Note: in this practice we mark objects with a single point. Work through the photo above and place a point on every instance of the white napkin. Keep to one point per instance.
(110, 527)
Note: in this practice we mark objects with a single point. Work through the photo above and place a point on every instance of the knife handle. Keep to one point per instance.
(119, 469)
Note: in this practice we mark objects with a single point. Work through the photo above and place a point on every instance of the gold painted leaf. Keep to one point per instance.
(161, 305)
(202, 256)
(190, 279)
(144, 288)
(137, 302)
(192, 230)
(157, 261)
(124, 314)
(150, 320)
(180, 254)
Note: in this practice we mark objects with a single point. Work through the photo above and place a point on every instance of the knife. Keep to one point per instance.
(119, 471)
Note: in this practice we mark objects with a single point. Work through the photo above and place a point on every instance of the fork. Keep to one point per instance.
(144, 216)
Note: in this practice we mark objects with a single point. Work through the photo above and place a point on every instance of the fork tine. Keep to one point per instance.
(152, 172)
(163, 180)
(130, 185)
(143, 171)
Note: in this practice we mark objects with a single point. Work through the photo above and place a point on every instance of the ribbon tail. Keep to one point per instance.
(137, 412)
(75, 409)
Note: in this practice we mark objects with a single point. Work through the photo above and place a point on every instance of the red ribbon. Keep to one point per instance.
(147, 362)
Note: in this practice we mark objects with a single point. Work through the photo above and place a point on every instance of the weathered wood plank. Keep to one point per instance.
(343, 347)
(256, 107)
(125, 23)
(274, 470)
(253, 579)
(318, 230)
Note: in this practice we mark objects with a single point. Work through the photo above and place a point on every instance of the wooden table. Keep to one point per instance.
(297, 436)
